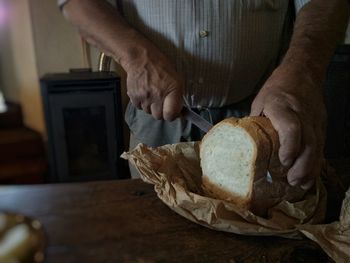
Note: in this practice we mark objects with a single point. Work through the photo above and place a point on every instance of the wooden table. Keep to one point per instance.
(124, 221)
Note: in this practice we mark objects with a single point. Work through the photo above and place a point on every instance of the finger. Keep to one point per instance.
(146, 107)
(257, 107)
(157, 110)
(308, 184)
(136, 103)
(172, 105)
(287, 124)
(134, 100)
(319, 132)
(305, 167)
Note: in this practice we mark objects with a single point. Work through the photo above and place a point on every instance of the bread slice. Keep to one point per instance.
(234, 155)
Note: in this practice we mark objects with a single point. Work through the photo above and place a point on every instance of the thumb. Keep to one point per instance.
(257, 107)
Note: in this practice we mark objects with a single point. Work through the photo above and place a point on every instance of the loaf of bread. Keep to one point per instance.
(236, 155)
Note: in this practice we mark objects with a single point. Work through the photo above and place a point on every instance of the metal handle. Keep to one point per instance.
(104, 62)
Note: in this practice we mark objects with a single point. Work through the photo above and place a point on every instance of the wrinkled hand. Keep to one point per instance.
(293, 101)
(154, 86)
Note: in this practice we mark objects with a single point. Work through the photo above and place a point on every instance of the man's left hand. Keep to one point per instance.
(292, 99)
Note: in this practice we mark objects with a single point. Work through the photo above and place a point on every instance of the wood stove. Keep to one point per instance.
(83, 115)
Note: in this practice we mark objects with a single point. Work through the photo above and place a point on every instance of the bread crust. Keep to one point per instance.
(261, 154)
(265, 158)
(276, 169)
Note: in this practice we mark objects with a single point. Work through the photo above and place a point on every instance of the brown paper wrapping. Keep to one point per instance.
(333, 238)
(175, 172)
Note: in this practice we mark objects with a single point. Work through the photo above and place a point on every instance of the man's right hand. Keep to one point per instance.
(154, 85)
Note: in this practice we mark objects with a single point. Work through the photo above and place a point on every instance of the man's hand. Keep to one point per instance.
(292, 97)
(294, 104)
(154, 86)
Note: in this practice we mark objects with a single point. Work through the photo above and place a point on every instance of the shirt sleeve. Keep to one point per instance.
(299, 4)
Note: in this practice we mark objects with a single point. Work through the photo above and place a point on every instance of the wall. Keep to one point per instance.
(18, 70)
(35, 40)
(6, 56)
(57, 45)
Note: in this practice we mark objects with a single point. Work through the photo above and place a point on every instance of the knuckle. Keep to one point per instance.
(276, 99)
(256, 105)
(131, 94)
(310, 149)
(287, 100)
(158, 94)
(157, 115)
(292, 129)
(301, 171)
(144, 94)
(293, 102)
(169, 115)
(144, 105)
(286, 152)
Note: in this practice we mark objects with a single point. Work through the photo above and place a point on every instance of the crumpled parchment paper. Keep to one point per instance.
(175, 172)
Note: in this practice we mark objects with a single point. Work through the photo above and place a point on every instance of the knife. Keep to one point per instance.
(196, 119)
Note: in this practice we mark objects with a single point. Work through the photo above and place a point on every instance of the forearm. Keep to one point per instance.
(101, 25)
(153, 84)
(292, 97)
(319, 28)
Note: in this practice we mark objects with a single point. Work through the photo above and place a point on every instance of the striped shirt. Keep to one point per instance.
(224, 49)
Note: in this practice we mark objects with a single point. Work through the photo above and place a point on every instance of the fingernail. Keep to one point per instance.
(287, 162)
(294, 182)
(307, 185)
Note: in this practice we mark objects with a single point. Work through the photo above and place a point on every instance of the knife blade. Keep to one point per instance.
(196, 119)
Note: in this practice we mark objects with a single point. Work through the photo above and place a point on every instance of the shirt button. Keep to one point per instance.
(203, 33)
